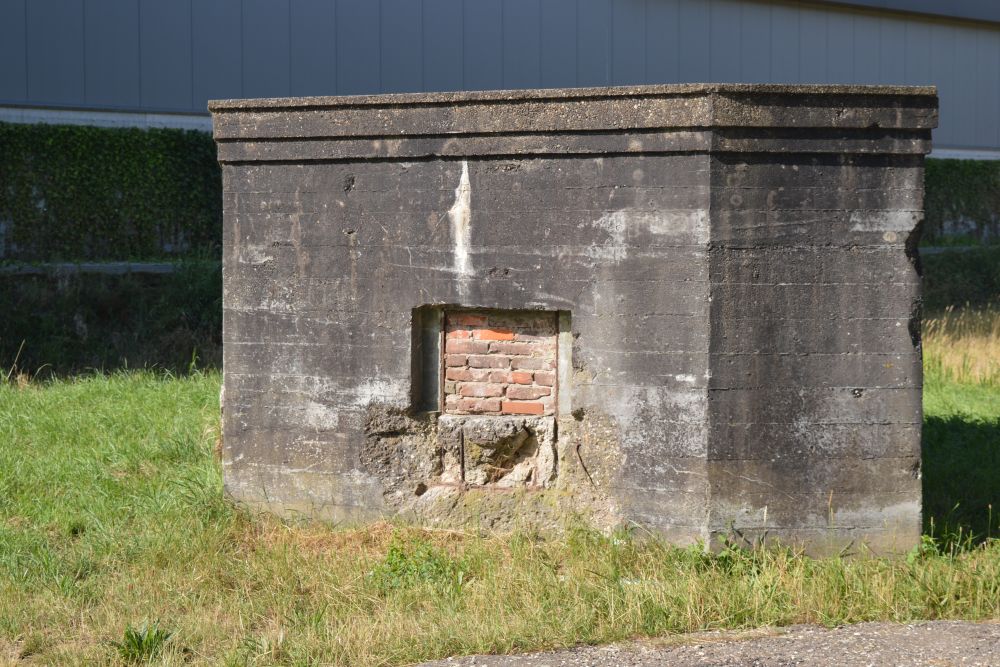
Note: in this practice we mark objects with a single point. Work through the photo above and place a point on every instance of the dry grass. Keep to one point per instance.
(963, 345)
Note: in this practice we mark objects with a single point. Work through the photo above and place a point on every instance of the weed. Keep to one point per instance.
(409, 564)
(142, 643)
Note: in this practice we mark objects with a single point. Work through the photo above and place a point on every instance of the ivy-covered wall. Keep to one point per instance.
(72, 193)
(76, 193)
(962, 201)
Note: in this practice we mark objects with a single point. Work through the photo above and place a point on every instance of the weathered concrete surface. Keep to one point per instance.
(735, 266)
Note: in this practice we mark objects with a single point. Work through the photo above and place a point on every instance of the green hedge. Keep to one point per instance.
(963, 276)
(58, 324)
(90, 193)
(962, 197)
(74, 193)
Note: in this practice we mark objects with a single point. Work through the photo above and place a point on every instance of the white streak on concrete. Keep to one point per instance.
(460, 215)
(678, 471)
(884, 221)
(615, 223)
(320, 417)
(255, 256)
(393, 392)
(678, 222)
(759, 482)
(637, 227)
(632, 407)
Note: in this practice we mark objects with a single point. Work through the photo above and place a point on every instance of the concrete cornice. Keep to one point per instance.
(640, 119)
(564, 94)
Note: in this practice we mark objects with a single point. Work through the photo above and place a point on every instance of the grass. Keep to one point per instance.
(116, 547)
(962, 423)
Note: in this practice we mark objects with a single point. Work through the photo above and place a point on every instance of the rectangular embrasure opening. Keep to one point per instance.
(425, 359)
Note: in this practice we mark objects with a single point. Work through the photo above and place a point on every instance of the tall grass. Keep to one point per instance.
(112, 521)
(963, 346)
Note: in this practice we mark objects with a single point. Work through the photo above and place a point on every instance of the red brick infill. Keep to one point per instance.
(500, 363)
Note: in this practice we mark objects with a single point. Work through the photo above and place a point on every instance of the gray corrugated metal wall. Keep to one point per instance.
(975, 10)
(174, 55)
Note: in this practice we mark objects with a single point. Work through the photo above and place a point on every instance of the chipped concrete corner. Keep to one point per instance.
(692, 308)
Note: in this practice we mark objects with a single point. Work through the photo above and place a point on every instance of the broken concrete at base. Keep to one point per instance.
(732, 269)
(494, 471)
(460, 451)
(503, 452)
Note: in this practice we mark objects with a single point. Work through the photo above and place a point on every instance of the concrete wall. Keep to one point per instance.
(156, 56)
(815, 394)
(732, 267)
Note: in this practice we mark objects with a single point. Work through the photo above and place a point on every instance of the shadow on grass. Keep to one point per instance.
(961, 478)
(59, 325)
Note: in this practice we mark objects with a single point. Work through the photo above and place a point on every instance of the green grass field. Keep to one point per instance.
(117, 547)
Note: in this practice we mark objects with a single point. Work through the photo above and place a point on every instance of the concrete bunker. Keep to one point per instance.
(688, 308)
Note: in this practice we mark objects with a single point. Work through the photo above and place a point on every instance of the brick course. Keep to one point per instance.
(532, 363)
(500, 362)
